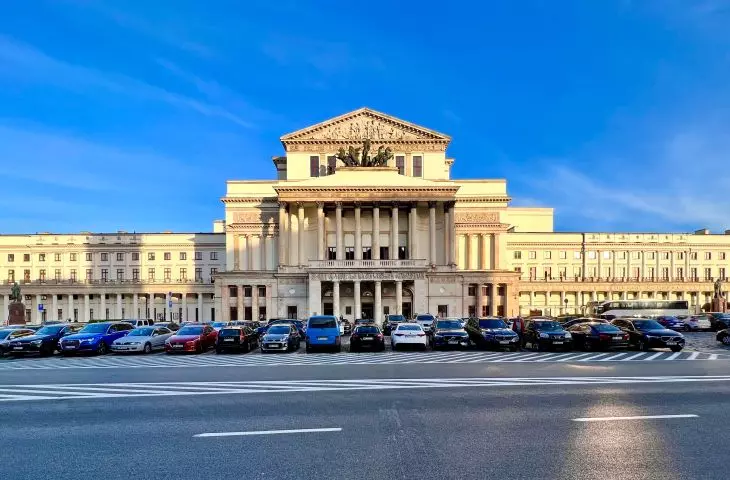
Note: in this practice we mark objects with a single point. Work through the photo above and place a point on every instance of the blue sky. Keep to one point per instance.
(132, 114)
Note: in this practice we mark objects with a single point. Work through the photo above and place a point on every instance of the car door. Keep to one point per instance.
(210, 335)
(579, 334)
(530, 333)
(158, 337)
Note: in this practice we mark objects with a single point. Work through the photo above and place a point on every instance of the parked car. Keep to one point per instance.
(239, 338)
(449, 333)
(218, 325)
(575, 321)
(409, 334)
(192, 338)
(140, 323)
(546, 334)
(300, 326)
(723, 336)
(282, 337)
(323, 331)
(8, 335)
(143, 339)
(94, 338)
(492, 332)
(172, 326)
(719, 321)
(425, 320)
(367, 336)
(391, 322)
(646, 334)
(696, 323)
(598, 336)
(43, 342)
(673, 323)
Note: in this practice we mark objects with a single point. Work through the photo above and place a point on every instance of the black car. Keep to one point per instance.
(546, 334)
(491, 332)
(576, 321)
(172, 326)
(367, 336)
(672, 323)
(598, 336)
(8, 335)
(646, 334)
(724, 337)
(391, 323)
(719, 321)
(236, 338)
(449, 333)
(44, 342)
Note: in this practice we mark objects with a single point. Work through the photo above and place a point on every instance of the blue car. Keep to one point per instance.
(93, 338)
(323, 331)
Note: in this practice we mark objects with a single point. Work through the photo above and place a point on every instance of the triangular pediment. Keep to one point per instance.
(363, 124)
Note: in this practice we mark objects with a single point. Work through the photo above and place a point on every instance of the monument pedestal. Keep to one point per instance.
(719, 304)
(16, 314)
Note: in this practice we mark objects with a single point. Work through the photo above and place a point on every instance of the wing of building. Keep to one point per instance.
(358, 242)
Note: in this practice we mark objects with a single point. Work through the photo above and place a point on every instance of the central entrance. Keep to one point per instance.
(368, 312)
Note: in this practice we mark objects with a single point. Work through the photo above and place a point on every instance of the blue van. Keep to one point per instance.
(323, 331)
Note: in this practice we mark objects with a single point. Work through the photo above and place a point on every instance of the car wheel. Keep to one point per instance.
(147, 348)
(725, 340)
(643, 346)
(247, 347)
(199, 348)
(101, 349)
(676, 348)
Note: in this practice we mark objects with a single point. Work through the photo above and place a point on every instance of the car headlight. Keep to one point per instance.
(87, 340)
(438, 335)
(544, 335)
(651, 336)
(36, 342)
(135, 343)
(190, 343)
(568, 335)
(515, 338)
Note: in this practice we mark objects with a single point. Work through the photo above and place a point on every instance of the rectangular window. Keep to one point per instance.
(635, 272)
(693, 256)
(11, 258)
(314, 166)
(708, 255)
(331, 165)
(198, 255)
(135, 274)
(472, 291)
(89, 274)
(183, 256)
(104, 274)
(166, 273)
(41, 257)
(637, 255)
(517, 255)
(665, 255)
(652, 255)
(57, 274)
(708, 274)
(592, 255)
(198, 274)
(167, 256)
(104, 256)
(213, 273)
(291, 312)
(262, 292)
(400, 164)
(184, 274)
(120, 257)
(150, 255)
(606, 255)
(693, 274)
(89, 256)
(11, 276)
(622, 255)
(26, 257)
(548, 273)
(120, 274)
(331, 253)
(533, 273)
(73, 275)
(722, 255)
(533, 255)
(680, 255)
(402, 253)
(247, 292)
(680, 273)
(384, 253)
(722, 273)
(548, 255)
(151, 274)
(42, 275)
(665, 273)
(576, 255)
(417, 166)
(214, 255)
(349, 253)
(135, 256)
(91, 314)
(563, 255)
(367, 253)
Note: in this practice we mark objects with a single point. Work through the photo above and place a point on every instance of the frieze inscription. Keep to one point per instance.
(476, 217)
(367, 276)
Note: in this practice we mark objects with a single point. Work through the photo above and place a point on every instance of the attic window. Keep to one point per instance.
(417, 166)
(400, 164)
(314, 166)
(331, 165)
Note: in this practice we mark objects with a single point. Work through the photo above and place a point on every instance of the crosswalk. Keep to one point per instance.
(16, 393)
(380, 358)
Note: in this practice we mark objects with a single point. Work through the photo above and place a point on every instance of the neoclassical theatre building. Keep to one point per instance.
(333, 236)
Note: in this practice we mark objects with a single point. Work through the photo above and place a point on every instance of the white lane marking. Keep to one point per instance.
(588, 359)
(636, 355)
(554, 357)
(265, 432)
(652, 357)
(613, 357)
(712, 357)
(673, 356)
(637, 417)
(693, 355)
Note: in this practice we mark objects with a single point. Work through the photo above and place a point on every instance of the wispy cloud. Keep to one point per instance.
(25, 63)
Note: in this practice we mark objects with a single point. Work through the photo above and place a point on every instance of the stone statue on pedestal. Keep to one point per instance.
(16, 309)
(719, 303)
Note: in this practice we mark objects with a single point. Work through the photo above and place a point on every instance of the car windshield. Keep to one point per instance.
(396, 318)
(141, 332)
(409, 327)
(4, 333)
(279, 330)
(218, 324)
(230, 332)
(448, 324)
(496, 323)
(548, 326)
(366, 330)
(50, 330)
(322, 323)
(428, 318)
(605, 327)
(95, 328)
(190, 331)
(647, 325)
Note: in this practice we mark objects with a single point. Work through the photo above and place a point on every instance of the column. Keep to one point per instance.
(613, 268)
(642, 274)
(505, 300)
(249, 252)
(135, 307)
(484, 254)
(447, 236)
(119, 305)
(254, 302)
(70, 315)
(86, 307)
(378, 303)
(532, 299)
(492, 299)
(600, 263)
(336, 298)
(262, 248)
(184, 317)
(282, 236)
(394, 232)
(468, 251)
(54, 307)
(239, 303)
(376, 232)
(671, 266)
(452, 234)
(432, 232)
(413, 226)
(102, 313)
(399, 297)
(36, 313)
(358, 239)
(562, 302)
(358, 306)
(300, 234)
(200, 307)
(241, 249)
(320, 231)
(339, 234)
(657, 269)
(496, 240)
(480, 300)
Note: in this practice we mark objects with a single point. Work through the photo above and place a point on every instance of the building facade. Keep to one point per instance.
(358, 242)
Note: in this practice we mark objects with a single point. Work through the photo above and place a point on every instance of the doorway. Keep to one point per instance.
(328, 309)
(368, 312)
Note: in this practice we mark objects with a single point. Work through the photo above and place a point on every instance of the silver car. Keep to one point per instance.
(143, 339)
(280, 338)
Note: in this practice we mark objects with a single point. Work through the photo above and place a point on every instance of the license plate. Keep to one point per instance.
(17, 348)
(504, 342)
(177, 346)
(228, 339)
(453, 342)
(367, 339)
(671, 340)
(558, 342)
(70, 347)
(321, 338)
(273, 345)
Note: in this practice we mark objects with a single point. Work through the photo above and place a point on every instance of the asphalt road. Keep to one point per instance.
(501, 430)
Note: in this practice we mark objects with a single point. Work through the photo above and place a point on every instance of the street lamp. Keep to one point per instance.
(565, 301)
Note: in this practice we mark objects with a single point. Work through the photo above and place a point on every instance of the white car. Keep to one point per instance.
(408, 334)
(425, 320)
(696, 322)
(143, 339)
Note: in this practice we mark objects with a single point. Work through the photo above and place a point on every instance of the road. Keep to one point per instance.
(470, 420)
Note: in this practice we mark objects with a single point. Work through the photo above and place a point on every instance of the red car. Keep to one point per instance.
(192, 338)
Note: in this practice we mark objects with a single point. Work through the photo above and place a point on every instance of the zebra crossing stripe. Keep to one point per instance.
(652, 357)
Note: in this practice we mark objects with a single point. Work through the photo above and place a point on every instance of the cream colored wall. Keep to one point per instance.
(529, 219)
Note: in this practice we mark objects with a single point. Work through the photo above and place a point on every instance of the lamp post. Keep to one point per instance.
(565, 301)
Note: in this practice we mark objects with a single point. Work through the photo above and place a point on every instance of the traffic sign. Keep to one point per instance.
(40, 307)
(169, 304)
